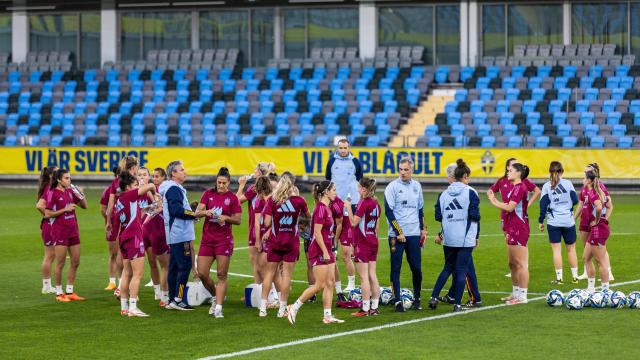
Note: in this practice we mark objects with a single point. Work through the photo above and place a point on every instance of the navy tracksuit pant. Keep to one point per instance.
(179, 269)
(414, 258)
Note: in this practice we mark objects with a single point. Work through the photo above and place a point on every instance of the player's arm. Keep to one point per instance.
(234, 219)
(389, 204)
(256, 228)
(317, 232)
(242, 181)
(174, 203)
(80, 202)
(336, 236)
(54, 214)
(598, 206)
(109, 211)
(609, 206)
(358, 167)
(354, 220)
(327, 173)
(536, 195)
(41, 205)
(544, 208)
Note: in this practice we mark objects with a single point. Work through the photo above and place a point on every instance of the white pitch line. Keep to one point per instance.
(494, 292)
(373, 328)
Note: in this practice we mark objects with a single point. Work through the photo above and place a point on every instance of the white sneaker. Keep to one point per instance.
(218, 314)
(48, 291)
(212, 308)
(282, 312)
(332, 320)
(291, 314)
(583, 277)
(136, 313)
(149, 284)
(508, 275)
(157, 296)
(263, 313)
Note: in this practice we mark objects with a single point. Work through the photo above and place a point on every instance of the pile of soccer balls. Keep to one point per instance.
(577, 299)
(386, 296)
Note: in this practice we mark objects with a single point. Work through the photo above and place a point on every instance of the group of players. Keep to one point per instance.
(136, 226)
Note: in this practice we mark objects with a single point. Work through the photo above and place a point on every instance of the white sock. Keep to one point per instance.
(124, 304)
(297, 305)
(558, 274)
(338, 287)
(218, 307)
(574, 272)
(156, 289)
(514, 291)
(112, 280)
(352, 281)
(605, 286)
(177, 300)
(46, 284)
(133, 303)
(374, 304)
(263, 305)
(591, 284)
(283, 305)
(523, 293)
(366, 305)
(69, 289)
(58, 289)
(327, 312)
(165, 296)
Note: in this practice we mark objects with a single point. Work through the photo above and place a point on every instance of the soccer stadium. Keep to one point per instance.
(297, 178)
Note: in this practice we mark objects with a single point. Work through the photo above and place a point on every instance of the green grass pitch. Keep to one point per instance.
(34, 326)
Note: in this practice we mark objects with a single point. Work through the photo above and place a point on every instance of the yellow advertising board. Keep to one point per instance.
(376, 162)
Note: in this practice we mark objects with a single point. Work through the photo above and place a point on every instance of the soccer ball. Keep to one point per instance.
(618, 300)
(555, 298)
(407, 292)
(574, 302)
(386, 296)
(355, 294)
(599, 300)
(573, 292)
(584, 296)
(407, 301)
(634, 300)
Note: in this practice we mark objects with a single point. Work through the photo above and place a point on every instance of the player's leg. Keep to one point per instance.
(113, 265)
(591, 269)
(600, 254)
(397, 251)
(375, 287)
(61, 257)
(569, 236)
(125, 280)
(472, 285)
(45, 268)
(285, 287)
(514, 276)
(204, 270)
(365, 287)
(253, 260)
(584, 235)
(327, 296)
(320, 273)
(164, 274)
(137, 271)
(608, 260)
(461, 266)
(346, 254)
(221, 288)
(185, 266)
(520, 271)
(269, 272)
(154, 271)
(172, 272)
(555, 238)
(74, 256)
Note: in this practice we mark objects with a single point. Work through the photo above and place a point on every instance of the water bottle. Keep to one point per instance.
(349, 197)
(249, 177)
(77, 192)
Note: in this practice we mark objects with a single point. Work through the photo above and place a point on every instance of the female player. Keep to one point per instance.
(516, 227)
(585, 215)
(598, 231)
(263, 189)
(320, 255)
(131, 202)
(222, 210)
(557, 202)
(366, 223)
(504, 186)
(153, 232)
(61, 213)
(337, 211)
(262, 169)
(44, 190)
(280, 218)
(115, 261)
(127, 164)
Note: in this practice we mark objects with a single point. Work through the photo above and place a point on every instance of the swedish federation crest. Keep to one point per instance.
(488, 162)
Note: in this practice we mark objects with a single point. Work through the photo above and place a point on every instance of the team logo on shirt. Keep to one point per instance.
(488, 161)
(454, 205)
(119, 206)
(227, 202)
(371, 224)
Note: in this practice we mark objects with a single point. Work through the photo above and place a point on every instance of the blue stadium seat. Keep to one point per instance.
(209, 140)
(384, 131)
(586, 118)
(431, 130)
(597, 142)
(488, 142)
(538, 94)
(257, 129)
(460, 141)
(560, 82)
(460, 95)
(338, 95)
(536, 130)
(514, 142)
(355, 118)
(457, 130)
(559, 118)
(626, 82)
(502, 106)
(595, 71)
(340, 107)
(493, 72)
(486, 94)
(330, 118)
(555, 106)
(271, 140)
(442, 74)
(450, 106)
(483, 130)
(413, 97)
(586, 82)
(307, 129)
(613, 82)
(541, 142)
(534, 83)
(466, 73)
(618, 94)
(372, 141)
(508, 83)
(321, 141)
(333, 129)
(477, 106)
(517, 71)
(591, 94)
(564, 130)
(283, 130)
(246, 140)
(622, 70)
(482, 83)
(564, 94)
(510, 130)
(297, 140)
(434, 142)
(479, 118)
(619, 130)
(613, 118)
(506, 118)
(533, 118)
(512, 94)
(454, 118)
(625, 142)
(365, 106)
(569, 142)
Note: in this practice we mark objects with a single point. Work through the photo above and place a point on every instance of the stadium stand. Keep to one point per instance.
(203, 98)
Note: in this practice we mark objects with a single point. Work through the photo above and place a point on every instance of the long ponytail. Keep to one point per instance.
(283, 190)
(555, 173)
(595, 183)
(45, 179)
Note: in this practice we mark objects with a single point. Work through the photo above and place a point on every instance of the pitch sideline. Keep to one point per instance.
(373, 328)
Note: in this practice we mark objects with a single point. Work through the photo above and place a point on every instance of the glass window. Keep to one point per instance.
(225, 29)
(635, 30)
(333, 27)
(534, 24)
(90, 40)
(261, 36)
(294, 33)
(448, 34)
(493, 30)
(166, 30)
(53, 33)
(5, 33)
(407, 26)
(130, 36)
(600, 24)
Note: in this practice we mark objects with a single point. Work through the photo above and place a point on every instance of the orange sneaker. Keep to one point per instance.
(111, 286)
(360, 313)
(74, 297)
(62, 298)
(124, 312)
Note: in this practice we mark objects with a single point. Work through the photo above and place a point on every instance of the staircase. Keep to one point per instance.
(426, 115)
